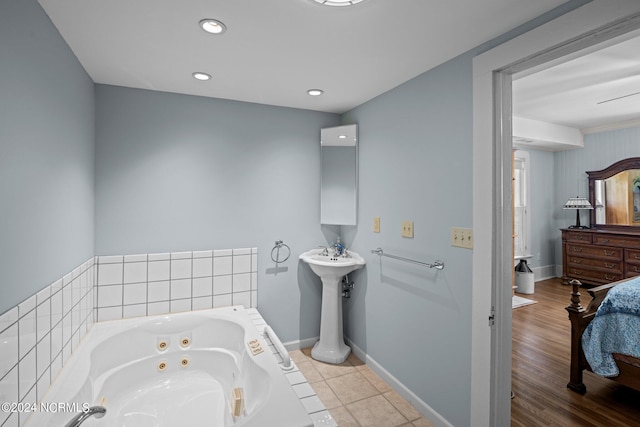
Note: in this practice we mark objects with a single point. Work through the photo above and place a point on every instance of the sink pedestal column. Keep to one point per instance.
(331, 347)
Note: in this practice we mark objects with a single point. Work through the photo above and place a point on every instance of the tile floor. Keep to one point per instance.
(355, 395)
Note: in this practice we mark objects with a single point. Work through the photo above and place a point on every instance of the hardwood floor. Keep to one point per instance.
(541, 371)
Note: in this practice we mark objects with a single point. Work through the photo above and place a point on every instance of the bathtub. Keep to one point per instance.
(202, 368)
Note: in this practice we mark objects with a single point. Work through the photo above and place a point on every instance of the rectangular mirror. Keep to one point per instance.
(339, 175)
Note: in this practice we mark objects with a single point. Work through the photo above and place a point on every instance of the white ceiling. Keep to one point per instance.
(590, 92)
(274, 50)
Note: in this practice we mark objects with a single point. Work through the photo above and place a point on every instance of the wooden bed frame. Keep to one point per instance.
(580, 318)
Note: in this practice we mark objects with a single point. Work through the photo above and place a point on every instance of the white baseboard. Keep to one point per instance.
(300, 344)
(426, 410)
(545, 272)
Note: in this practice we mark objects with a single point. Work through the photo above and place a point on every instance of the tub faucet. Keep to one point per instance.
(98, 411)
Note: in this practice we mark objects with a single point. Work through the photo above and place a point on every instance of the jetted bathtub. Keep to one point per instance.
(203, 368)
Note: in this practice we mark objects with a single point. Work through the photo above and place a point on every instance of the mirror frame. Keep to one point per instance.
(619, 166)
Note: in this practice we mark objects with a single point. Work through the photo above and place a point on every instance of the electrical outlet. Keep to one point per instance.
(462, 237)
(407, 229)
(376, 224)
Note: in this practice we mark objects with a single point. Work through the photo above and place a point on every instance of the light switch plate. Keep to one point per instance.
(462, 237)
(407, 229)
(376, 224)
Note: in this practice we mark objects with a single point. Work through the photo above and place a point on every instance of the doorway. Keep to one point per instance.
(585, 28)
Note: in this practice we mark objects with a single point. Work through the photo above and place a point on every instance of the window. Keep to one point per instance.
(521, 220)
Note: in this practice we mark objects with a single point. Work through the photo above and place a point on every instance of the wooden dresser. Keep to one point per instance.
(596, 256)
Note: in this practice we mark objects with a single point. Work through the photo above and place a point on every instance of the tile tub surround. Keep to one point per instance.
(38, 336)
(150, 284)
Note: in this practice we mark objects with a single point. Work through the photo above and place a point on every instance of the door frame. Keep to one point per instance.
(595, 23)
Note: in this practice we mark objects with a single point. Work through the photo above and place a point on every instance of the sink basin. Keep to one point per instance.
(331, 347)
(330, 266)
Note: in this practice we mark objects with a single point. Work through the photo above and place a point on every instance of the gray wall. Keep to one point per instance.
(177, 172)
(600, 150)
(46, 154)
(416, 164)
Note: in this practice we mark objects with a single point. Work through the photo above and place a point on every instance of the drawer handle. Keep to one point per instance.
(577, 249)
(609, 265)
(635, 256)
(577, 271)
(604, 240)
(577, 260)
(635, 268)
(606, 276)
(609, 253)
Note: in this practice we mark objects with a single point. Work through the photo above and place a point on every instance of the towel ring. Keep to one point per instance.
(279, 244)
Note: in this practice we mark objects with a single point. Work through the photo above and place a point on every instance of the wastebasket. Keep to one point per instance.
(524, 278)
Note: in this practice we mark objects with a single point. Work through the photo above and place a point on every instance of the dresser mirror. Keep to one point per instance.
(339, 175)
(614, 193)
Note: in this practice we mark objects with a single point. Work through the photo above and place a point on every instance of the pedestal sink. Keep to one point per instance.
(331, 269)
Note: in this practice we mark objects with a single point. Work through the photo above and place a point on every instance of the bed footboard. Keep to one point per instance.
(580, 317)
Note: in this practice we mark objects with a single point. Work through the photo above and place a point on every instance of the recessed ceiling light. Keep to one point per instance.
(213, 26)
(315, 92)
(201, 76)
(338, 2)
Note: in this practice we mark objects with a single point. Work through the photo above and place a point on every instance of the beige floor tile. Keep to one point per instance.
(352, 387)
(309, 371)
(353, 359)
(298, 356)
(326, 394)
(374, 379)
(342, 417)
(329, 370)
(376, 411)
(402, 405)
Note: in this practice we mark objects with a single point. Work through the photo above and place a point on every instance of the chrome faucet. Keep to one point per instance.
(325, 250)
(98, 411)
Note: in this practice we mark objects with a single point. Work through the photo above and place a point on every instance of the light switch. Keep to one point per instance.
(462, 237)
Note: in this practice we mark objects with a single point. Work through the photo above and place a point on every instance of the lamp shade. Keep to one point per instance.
(577, 203)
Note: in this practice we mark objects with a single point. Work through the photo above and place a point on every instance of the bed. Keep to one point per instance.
(606, 333)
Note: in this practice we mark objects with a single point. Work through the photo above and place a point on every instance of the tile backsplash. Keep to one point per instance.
(38, 336)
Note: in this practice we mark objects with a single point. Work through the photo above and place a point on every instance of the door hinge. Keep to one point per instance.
(492, 317)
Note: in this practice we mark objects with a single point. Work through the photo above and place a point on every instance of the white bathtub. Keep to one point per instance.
(175, 370)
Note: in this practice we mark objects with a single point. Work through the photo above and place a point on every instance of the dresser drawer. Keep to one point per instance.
(620, 241)
(632, 256)
(596, 263)
(596, 275)
(610, 254)
(576, 236)
(633, 269)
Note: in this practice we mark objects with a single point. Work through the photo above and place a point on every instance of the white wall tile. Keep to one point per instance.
(202, 267)
(241, 264)
(30, 397)
(254, 281)
(222, 265)
(110, 274)
(8, 318)
(43, 355)
(110, 259)
(241, 282)
(27, 305)
(43, 384)
(222, 300)
(202, 303)
(158, 291)
(43, 320)
(223, 252)
(222, 285)
(27, 328)
(202, 254)
(180, 305)
(154, 308)
(181, 255)
(254, 262)
(159, 257)
(109, 313)
(43, 295)
(242, 251)
(27, 373)
(136, 310)
(180, 289)
(66, 330)
(202, 286)
(109, 296)
(241, 298)
(56, 340)
(8, 349)
(135, 293)
(135, 272)
(8, 391)
(180, 268)
(158, 270)
(136, 258)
